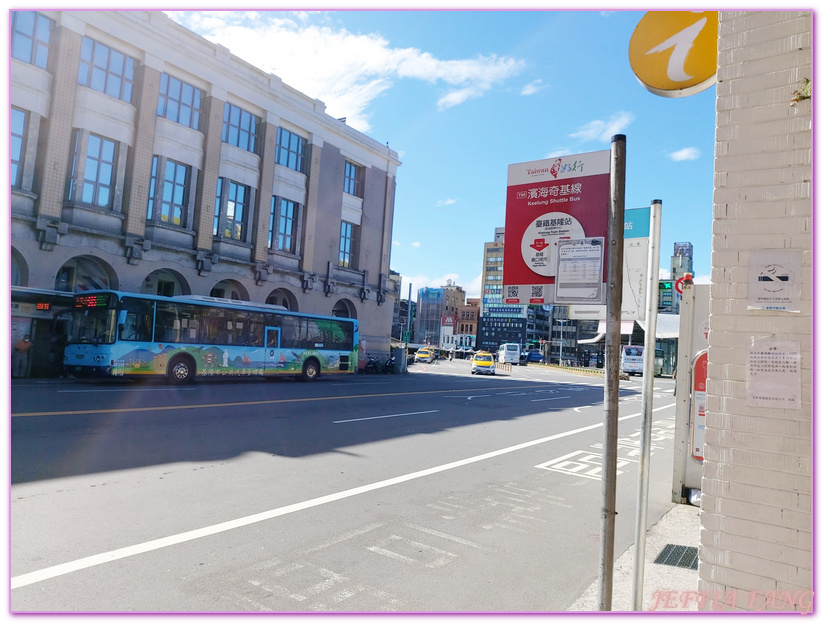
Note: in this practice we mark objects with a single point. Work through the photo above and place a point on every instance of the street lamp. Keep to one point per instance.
(562, 324)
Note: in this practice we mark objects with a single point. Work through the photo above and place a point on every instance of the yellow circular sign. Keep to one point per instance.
(674, 53)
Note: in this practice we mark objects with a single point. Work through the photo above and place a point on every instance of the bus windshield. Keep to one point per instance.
(95, 326)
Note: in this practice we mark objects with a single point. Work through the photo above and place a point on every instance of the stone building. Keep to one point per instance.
(146, 159)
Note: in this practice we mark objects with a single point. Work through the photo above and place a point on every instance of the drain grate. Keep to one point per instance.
(678, 556)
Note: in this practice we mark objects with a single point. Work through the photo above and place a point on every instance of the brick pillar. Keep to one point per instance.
(148, 88)
(310, 233)
(268, 146)
(66, 59)
(213, 120)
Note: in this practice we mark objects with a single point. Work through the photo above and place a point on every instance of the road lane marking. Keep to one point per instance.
(223, 405)
(380, 417)
(121, 389)
(48, 573)
(554, 398)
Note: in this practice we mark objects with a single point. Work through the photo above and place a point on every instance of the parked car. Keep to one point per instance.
(483, 363)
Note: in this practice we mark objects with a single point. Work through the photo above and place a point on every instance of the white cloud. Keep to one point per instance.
(346, 71)
(474, 289)
(687, 153)
(424, 281)
(415, 244)
(599, 130)
(445, 202)
(665, 274)
(396, 243)
(532, 88)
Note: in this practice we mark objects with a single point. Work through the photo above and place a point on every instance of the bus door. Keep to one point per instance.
(271, 359)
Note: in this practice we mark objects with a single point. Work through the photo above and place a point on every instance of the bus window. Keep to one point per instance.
(178, 322)
(136, 315)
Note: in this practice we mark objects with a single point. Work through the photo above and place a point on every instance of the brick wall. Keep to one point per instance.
(755, 545)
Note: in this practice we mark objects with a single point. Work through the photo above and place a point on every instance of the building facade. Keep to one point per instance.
(433, 306)
(145, 158)
(756, 539)
(499, 323)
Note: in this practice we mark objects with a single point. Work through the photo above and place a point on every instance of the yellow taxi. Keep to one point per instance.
(483, 363)
(425, 354)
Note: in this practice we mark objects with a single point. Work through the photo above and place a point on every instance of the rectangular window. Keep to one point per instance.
(179, 102)
(97, 185)
(235, 202)
(291, 150)
(18, 141)
(352, 180)
(286, 225)
(105, 70)
(30, 36)
(240, 128)
(175, 193)
(346, 244)
(152, 189)
(218, 200)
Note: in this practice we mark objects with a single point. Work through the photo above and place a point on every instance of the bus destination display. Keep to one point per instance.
(88, 301)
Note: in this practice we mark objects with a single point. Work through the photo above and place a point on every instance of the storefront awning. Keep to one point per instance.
(626, 327)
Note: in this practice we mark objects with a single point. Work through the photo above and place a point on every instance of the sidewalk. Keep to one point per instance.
(665, 587)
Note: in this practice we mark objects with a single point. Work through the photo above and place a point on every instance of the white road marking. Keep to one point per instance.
(380, 417)
(149, 546)
(120, 390)
(555, 398)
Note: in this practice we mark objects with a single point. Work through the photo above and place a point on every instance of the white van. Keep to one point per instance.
(508, 353)
(631, 360)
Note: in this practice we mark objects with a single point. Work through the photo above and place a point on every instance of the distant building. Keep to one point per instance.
(466, 328)
(499, 322)
(433, 304)
(668, 301)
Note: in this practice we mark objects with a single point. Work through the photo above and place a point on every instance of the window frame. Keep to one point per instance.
(79, 182)
(164, 204)
(234, 133)
(17, 160)
(283, 227)
(224, 226)
(39, 46)
(347, 247)
(171, 105)
(90, 70)
(353, 179)
(291, 151)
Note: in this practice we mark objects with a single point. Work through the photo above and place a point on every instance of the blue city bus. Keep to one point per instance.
(181, 337)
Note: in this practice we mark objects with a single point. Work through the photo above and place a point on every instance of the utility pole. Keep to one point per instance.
(617, 207)
(652, 293)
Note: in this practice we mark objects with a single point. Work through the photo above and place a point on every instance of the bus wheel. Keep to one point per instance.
(311, 370)
(181, 370)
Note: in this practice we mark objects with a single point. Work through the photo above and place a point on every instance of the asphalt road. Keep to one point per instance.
(432, 491)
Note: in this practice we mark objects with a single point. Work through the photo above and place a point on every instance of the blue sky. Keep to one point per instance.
(461, 94)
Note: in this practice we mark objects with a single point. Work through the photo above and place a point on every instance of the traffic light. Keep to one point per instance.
(665, 285)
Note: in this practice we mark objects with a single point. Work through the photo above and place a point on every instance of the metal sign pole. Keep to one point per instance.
(652, 294)
(611, 397)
